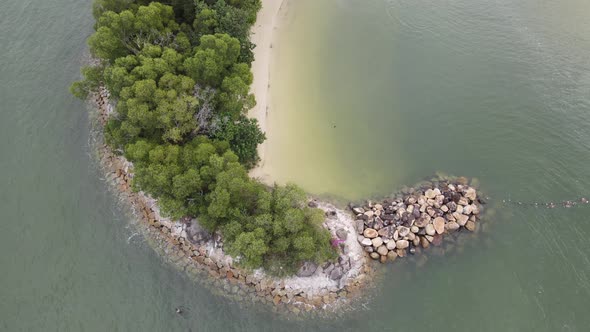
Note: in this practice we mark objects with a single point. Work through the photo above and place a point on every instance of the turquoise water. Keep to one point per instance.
(494, 90)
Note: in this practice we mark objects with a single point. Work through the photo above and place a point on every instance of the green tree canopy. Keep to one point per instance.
(127, 32)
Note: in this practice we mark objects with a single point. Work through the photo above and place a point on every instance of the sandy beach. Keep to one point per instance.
(262, 35)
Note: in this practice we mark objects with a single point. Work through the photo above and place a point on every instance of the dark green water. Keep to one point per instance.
(498, 90)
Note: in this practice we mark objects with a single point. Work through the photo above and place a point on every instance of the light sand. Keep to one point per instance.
(262, 36)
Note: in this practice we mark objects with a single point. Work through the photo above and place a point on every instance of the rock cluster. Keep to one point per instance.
(416, 219)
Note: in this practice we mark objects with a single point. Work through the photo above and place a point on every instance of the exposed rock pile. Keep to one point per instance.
(417, 219)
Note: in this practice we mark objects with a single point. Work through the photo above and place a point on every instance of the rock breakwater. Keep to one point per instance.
(416, 219)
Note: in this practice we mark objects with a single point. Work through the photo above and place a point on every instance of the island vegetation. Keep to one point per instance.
(180, 76)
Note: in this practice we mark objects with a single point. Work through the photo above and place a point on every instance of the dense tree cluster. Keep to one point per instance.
(180, 74)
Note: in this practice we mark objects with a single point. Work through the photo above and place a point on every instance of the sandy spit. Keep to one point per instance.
(262, 36)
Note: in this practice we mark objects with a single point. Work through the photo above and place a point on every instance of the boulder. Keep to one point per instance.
(369, 214)
(370, 233)
(366, 242)
(439, 225)
(336, 273)
(416, 241)
(461, 218)
(358, 210)
(452, 206)
(430, 229)
(402, 244)
(470, 225)
(385, 232)
(471, 194)
(468, 209)
(421, 222)
(424, 242)
(382, 250)
(391, 245)
(430, 211)
(414, 229)
(377, 242)
(452, 226)
(360, 226)
(342, 234)
(430, 194)
(307, 269)
(378, 207)
(463, 201)
(375, 255)
(403, 231)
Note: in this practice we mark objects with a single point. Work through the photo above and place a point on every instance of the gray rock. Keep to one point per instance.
(307, 269)
(360, 226)
(336, 273)
(366, 242)
(403, 231)
(342, 234)
(328, 268)
(358, 210)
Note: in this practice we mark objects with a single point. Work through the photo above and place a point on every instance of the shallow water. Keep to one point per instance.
(494, 90)
(371, 95)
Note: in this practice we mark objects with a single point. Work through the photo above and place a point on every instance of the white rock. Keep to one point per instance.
(430, 229)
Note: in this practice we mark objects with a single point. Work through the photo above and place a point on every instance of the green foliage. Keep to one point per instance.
(243, 136)
(180, 176)
(177, 72)
(213, 59)
(92, 79)
(127, 32)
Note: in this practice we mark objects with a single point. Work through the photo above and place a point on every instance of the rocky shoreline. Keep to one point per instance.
(329, 287)
(383, 231)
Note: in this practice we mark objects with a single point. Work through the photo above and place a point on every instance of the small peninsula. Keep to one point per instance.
(173, 88)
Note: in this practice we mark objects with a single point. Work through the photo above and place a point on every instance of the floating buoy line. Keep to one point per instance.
(583, 201)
